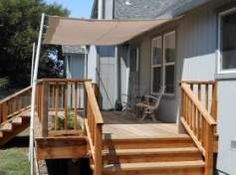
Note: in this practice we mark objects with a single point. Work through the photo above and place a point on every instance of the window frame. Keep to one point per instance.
(220, 70)
(156, 65)
(163, 63)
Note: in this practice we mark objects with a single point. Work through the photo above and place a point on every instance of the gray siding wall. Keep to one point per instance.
(196, 49)
(108, 9)
(196, 60)
(197, 42)
(227, 130)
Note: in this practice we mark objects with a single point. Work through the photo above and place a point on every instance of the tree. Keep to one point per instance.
(19, 26)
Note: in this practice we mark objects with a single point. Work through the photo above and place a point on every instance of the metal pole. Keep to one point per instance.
(34, 84)
(32, 64)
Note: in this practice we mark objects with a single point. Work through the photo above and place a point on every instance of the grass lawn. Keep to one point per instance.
(14, 156)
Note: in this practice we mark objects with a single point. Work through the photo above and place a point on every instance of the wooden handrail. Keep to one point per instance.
(92, 98)
(94, 123)
(197, 82)
(14, 104)
(15, 94)
(199, 123)
(206, 92)
(62, 80)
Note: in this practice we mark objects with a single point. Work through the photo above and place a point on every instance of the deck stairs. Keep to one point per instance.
(173, 155)
(14, 115)
(11, 128)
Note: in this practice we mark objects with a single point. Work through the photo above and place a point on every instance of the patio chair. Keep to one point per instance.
(129, 106)
(149, 106)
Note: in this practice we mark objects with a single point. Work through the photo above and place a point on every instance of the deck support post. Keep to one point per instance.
(98, 150)
(45, 110)
(209, 157)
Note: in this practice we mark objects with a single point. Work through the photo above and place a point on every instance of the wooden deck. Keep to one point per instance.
(120, 126)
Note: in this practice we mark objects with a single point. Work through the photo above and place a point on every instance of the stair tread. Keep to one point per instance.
(162, 137)
(7, 127)
(154, 165)
(150, 151)
(1, 134)
(17, 120)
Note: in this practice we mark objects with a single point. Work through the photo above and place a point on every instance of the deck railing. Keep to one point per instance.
(206, 92)
(94, 123)
(198, 121)
(15, 104)
(58, 105)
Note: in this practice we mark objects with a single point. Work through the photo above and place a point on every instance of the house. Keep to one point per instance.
(198, 46)
(113, 67)
(188, 50)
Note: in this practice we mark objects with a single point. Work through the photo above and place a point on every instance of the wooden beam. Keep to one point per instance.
(61, 147)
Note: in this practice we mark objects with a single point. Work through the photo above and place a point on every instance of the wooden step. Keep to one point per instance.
(160, 168)
(10, 130)
(17, 120)
(6, 127)
(140, 143)
(1, 134)
(151, 155)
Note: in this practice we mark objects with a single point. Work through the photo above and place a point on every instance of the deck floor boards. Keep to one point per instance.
(119, 126)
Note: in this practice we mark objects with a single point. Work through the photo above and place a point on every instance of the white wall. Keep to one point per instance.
(92, 63)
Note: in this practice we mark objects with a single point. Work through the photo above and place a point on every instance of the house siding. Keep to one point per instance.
(197, 41)
(197, 34)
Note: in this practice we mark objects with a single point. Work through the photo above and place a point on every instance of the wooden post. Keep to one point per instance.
(98, 150)
(5, 111)
(45, 110)
(76, 105)
(209, 147)
(214, 108)
(66, 107)
(56, 106)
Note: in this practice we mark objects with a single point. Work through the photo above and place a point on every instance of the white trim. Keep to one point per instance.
(219, 54)
(163, 63)
(155, 65)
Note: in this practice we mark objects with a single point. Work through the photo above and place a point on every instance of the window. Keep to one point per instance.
(163, 63)
(227, 41)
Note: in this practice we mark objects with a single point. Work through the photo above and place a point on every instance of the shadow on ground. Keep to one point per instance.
(68, 167)
(18, 142)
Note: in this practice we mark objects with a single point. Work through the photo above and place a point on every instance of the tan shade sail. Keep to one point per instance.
(70, 31)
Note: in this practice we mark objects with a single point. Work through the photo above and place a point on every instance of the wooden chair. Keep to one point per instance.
(150, 105)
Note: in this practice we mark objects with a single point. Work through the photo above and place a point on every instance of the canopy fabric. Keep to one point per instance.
(71, 31)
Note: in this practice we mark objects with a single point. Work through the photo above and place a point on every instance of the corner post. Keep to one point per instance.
(45, 110)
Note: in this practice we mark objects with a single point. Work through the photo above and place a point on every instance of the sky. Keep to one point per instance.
(78, 8)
